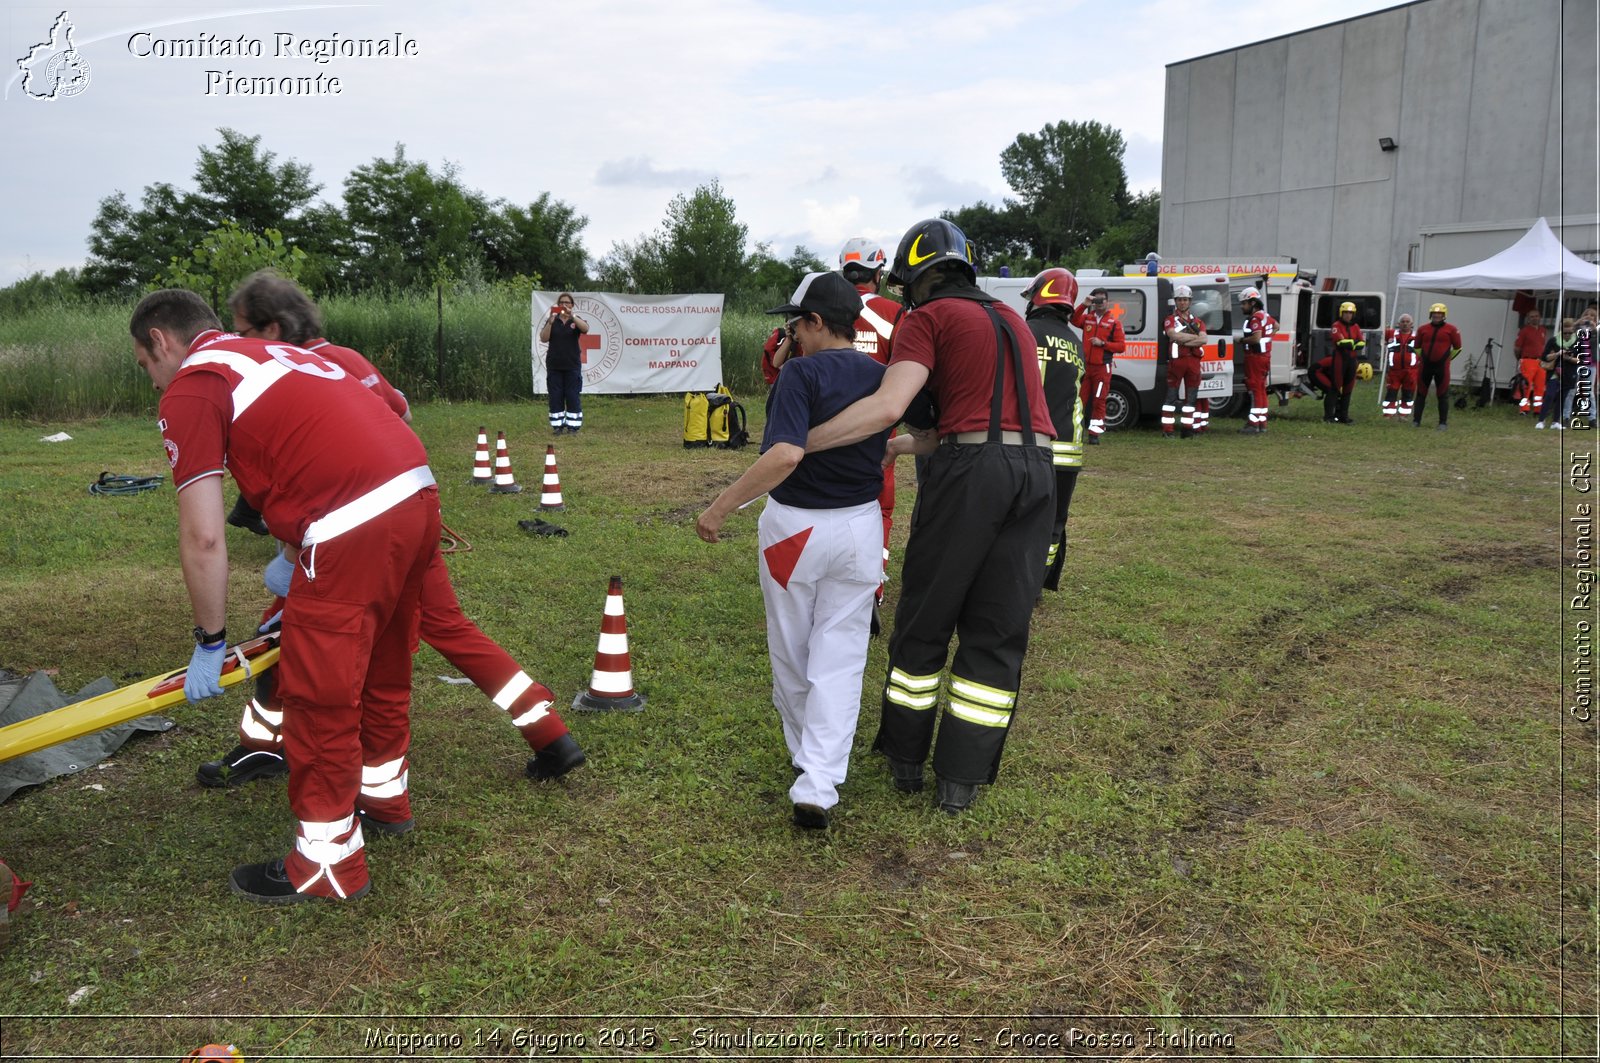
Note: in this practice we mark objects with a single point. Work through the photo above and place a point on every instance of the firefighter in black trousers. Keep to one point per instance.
(1061, 363)
(981, 527)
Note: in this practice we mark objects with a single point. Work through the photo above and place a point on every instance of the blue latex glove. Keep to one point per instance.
(279, 573)
(204, 678)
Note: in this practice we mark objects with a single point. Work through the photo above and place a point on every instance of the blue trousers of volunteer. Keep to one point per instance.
(566, 398)
(980, 532)
(817, 623)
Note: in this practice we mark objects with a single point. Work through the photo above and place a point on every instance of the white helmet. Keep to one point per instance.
(1250, 293)
(860, 251)
(1183, 291)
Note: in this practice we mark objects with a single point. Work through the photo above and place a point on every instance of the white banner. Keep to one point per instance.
(639, 344)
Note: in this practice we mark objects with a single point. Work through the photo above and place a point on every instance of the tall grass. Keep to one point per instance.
(73, 360)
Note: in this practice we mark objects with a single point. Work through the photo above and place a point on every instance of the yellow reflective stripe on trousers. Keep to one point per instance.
(912, 691)
(1064, 454)
(983, 705)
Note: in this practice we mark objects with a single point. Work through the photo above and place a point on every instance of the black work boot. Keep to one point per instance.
(268, 883)
(556, 759)
(243, 515)
(907, 775)
(239, 766)
(954, 797)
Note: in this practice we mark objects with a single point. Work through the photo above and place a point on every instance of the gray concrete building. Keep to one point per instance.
(1426, 135)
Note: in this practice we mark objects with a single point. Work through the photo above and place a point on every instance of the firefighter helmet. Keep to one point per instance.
(861, 251)
(1364, 370)
(1053, 287)
(1183, 291)
(1250, 293)
(928, 243)
(1347, 308)
(1437, 308)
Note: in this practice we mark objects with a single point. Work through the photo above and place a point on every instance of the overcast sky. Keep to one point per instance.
(822, 120)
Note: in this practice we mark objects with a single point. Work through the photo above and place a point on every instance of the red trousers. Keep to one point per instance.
(349, 630)
(1096, 384)
(1257, 368)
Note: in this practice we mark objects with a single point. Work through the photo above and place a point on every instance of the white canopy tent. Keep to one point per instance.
(1537, 263)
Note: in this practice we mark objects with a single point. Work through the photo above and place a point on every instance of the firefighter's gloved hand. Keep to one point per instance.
(204, 678)
(279, 573)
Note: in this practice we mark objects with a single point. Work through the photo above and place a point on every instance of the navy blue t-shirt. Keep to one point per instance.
(809, 391)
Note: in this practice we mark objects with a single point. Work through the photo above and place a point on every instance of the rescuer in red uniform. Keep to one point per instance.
(332, 469)
(1529, 347)
(1400, 369)
(1336, 372)
(1103, 340)
(1257, 344)
(1187, 334)
(1438, 342)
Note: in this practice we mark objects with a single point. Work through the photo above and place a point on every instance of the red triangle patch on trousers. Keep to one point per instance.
(783, 555)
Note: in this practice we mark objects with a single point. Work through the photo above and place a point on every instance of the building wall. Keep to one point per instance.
(1272, 150)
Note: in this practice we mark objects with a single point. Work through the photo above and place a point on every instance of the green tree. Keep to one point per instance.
(703, 242)
(769, 276)
(227, 256)
(237, 181)
(1071, 181)
(410, 226)
(1004, 236)
(636, 267)
(539, 240)
(128, 247)
(1132, 237)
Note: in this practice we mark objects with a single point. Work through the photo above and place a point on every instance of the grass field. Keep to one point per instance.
(1291, 776)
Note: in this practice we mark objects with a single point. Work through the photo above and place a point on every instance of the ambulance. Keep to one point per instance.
(1143, 300)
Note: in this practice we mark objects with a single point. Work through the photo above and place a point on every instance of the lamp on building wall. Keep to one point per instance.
(1387, 144)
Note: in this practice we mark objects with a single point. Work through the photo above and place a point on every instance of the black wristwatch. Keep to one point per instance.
(205, 638)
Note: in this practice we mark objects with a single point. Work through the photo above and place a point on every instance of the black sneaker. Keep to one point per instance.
(239, 766)
(811, 817)
(556, 759)
(875, 625)
(954, 797)
(1093, 440)
(243, 515)
(393, 828)
(907, 775)
(268, 883)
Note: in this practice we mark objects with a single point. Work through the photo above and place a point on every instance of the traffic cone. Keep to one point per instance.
(504, 482)
(551, 498)
(611, 686)
(482, 475)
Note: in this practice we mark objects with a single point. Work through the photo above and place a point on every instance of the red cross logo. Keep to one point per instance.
(588, 341)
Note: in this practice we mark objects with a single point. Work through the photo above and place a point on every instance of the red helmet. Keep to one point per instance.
(1053, 287)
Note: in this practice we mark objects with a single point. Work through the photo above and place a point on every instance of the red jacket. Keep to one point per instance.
(1402, 349)
(1347, 339)
(1107, 327)
(1438, 343)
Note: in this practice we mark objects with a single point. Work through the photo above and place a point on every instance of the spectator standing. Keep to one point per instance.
(563, 365)
(1529, 347)
(1559, 362)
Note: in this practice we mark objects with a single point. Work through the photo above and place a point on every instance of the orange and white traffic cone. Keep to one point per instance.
(504, 482)
(611, 686)
(482, 475)
(551, 498)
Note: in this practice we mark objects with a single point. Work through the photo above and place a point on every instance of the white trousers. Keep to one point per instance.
(819, 571)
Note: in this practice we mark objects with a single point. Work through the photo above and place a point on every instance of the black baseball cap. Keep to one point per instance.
(827, 294)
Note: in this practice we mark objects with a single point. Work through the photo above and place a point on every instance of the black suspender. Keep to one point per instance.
(1005, 336)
